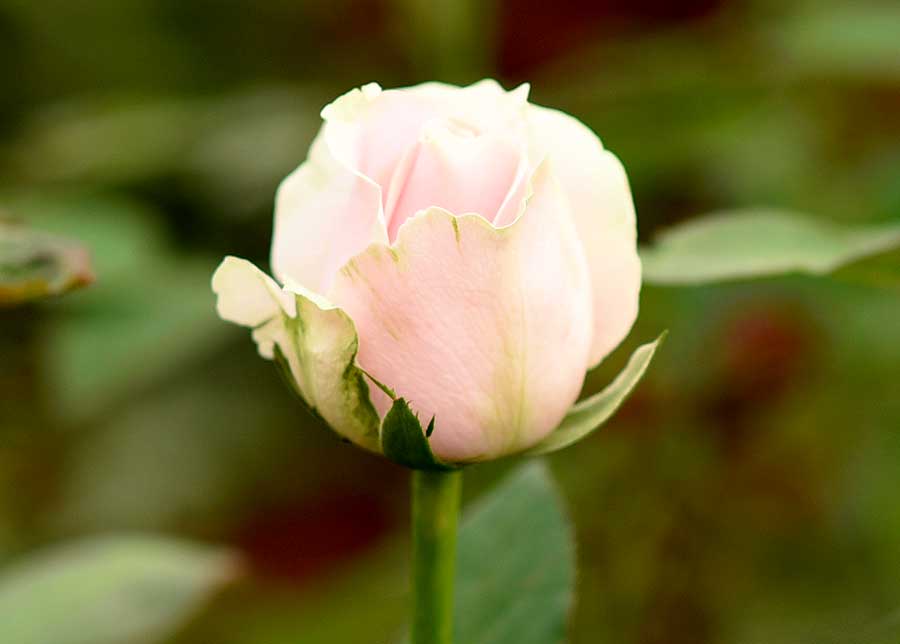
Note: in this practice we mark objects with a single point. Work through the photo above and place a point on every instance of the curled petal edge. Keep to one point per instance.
(314, 343)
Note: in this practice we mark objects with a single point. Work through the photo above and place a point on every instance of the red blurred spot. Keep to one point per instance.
(766, 350)
(762, 354)
(533, 32)
(299, 542)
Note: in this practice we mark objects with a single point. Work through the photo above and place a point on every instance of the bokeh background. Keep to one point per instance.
(749, 492)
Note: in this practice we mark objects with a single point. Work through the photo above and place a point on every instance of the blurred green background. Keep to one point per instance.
(749, 492)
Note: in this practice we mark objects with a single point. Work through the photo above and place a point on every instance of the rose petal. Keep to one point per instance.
(325, 213)
(487, 330)
(371, 130)
(246, 295)
(454, 171)
(317, 340)
(603, 212)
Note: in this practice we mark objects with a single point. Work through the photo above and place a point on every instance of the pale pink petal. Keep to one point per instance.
(486, 329)
(454, 171)
(514, 203)
(325, 213)
(371, 130)
(603, 212)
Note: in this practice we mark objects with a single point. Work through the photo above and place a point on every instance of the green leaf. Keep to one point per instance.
(116, 139)
(108, 140)
(849, 40)
(516, 564)
(405, 442)
(881, 270)
(147, 316)
(35, 265)
(754, 243)
(587, 415)
(108, 590)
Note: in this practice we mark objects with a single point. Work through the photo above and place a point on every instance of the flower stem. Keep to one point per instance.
(435, 510)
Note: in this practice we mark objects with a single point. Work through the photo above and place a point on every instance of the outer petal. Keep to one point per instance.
(317, 340)
(247, 296)
(603, 212)
(486, 329)
(325, 213)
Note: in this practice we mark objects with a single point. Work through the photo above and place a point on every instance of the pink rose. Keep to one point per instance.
(460, 248)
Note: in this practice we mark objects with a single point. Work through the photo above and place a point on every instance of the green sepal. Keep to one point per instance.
(586, 416)
(405, 442)
(390, 393)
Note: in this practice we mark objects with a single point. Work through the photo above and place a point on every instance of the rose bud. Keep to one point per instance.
(455, 254)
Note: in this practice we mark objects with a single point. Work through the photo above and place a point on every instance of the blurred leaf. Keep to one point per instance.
(217, 449)
(759, 243)
(150, 312)
(364, 601)
(516, 563)
(851, 40)
(879, 270)
(249, 142)
(589, 414)
(35, 265)
(105, 140)
(129, 337)
(230, 151)
(108, 590)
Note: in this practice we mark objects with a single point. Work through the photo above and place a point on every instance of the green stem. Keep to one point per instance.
(435, 509)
